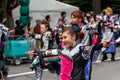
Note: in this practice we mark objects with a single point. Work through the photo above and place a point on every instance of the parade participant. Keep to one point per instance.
(78, 19)
(58, 30)
(44, 36)
(93, 33)
(19, 29)
(73, 55)
(44, 39)
(49, 19)
(108, 34)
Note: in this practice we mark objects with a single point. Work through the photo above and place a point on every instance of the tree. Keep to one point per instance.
(111, 3)
(96, 4)
(84, 5)
(3, 4)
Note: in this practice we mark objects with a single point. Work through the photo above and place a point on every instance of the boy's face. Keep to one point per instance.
(64, 15)
(50, 19)
(43, 28)
(75, 20)
(92, 19)
(60, 23)
(68, 40)
(108, 13)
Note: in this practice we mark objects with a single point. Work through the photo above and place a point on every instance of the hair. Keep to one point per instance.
(38, 20)
(60, 20)
(17, 22)
(108, 9)
(47, 17)
(78, 14)
(71, 31)
(45, 23)
(62, 13)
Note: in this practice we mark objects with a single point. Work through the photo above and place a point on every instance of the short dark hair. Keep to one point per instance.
(17, 22)
(62, 13)
(47, 17)
(60, 20)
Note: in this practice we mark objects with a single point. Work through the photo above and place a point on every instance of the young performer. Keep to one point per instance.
(108, 34)
(44, 41)
(74, 57)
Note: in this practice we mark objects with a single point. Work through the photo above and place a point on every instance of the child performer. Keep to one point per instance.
(108, 34)
(44, 36)
(44, 41)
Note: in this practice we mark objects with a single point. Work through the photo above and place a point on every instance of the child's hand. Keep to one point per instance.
(37, 36)
(106, 44)
(32, 53)
(48, 51)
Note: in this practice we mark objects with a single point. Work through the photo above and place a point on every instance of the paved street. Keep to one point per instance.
(101, 71)
(106, 71)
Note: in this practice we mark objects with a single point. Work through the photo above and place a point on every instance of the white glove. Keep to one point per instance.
(37, 36)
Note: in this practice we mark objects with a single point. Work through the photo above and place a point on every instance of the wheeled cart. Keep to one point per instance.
(15, 50)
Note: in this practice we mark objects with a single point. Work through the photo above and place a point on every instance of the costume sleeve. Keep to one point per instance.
(56, 51)
(53, 52)
(117, 40)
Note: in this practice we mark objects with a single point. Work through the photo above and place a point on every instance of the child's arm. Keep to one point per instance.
(53, 52)
(32, 53)
(45, 53)
(117, 40)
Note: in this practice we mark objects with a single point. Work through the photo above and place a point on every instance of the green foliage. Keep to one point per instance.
(116, 8)
(1, 10)
(115, 4)
(84, 5)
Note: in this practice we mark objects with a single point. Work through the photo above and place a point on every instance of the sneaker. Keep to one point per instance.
(104, 58)
(112, 58)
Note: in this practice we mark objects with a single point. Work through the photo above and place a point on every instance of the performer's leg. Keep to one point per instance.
(38, 72)
(112, 56)
(104, 56)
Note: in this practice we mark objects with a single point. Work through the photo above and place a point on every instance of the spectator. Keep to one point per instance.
(29, 27)
(63, 17)
(19, 29)
(58, 30)
(48, 19)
